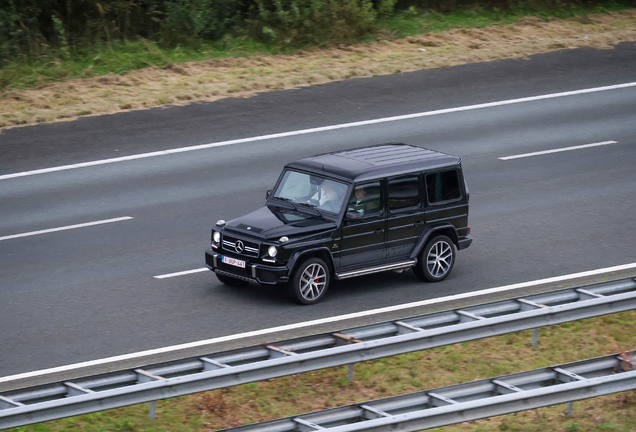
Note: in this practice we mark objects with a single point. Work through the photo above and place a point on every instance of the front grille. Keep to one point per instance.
(250, 248)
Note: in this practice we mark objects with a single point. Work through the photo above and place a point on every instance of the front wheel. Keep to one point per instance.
(310, 281)
(436, 259)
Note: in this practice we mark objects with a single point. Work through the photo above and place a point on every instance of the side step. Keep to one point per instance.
(377, 269)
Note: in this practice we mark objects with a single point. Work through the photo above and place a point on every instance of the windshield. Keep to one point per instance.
(319, 192)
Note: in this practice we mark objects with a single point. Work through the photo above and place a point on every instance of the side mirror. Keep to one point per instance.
(268, 193)
(353, 216)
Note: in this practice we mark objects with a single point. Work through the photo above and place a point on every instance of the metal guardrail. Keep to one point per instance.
(469, 401)
(256, 363)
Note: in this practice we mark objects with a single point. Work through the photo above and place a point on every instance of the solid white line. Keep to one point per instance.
(314, 130)
(316, 322)
(64, 228)
(181, 273)
(558, 150)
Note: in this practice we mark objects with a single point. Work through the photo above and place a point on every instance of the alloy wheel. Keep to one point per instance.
(439, 259)
(313, 281)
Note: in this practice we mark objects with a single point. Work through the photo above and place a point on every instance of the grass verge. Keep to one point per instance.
(312, 391)
(104, 81)
(121, 57)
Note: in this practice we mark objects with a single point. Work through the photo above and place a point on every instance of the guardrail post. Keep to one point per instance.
(535, 337)
(151, 411)
(569, 411)
(350, 371)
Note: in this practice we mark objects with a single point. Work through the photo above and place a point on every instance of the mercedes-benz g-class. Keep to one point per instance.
(345, 214)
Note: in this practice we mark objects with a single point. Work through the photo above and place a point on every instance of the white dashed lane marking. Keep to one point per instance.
(544, 152)
(65, 228)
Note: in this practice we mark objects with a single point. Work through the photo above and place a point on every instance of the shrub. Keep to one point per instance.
(185, 21)
(315, 22)
(15, 20)
(33, 26)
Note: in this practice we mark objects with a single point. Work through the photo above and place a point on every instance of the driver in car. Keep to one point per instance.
(328, 197)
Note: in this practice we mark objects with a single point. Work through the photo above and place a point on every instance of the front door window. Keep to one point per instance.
(365, 199)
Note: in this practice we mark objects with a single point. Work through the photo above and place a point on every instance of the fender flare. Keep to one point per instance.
(449, 230)
(297, 257)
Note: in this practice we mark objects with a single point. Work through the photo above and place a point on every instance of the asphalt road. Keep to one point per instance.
(88, 293)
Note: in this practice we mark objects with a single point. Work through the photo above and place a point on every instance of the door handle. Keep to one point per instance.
(418, 223)
(379, 231)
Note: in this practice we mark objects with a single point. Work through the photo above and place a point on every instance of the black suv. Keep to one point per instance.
(345, 214)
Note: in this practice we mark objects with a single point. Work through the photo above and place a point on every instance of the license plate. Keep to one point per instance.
(233, 262)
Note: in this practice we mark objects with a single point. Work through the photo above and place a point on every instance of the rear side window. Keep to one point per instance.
(404, 193)
(442, 186)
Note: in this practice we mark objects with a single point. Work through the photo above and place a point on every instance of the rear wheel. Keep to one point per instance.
(227, 280)
(436, 259)
(310, 281)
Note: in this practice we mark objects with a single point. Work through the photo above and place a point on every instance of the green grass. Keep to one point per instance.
(413, 22)
(118, 58)
(125, 56)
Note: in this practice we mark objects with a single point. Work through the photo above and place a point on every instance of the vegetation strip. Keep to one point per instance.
(214, 79)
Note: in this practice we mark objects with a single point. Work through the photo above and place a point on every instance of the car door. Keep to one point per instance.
(405, 218)
(364, 227)
(446, 202)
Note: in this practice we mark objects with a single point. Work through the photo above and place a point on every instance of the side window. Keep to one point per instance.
(365, 199)
(442, 186)
(404, 192)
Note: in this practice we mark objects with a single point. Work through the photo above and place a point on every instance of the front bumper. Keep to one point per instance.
(253, 271)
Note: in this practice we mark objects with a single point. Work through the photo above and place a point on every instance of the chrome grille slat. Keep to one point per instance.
(251, 248)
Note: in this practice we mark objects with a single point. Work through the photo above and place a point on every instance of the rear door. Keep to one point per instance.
(446, 202)
(405, 219)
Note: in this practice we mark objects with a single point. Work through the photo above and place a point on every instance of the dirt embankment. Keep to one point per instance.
(243, 77)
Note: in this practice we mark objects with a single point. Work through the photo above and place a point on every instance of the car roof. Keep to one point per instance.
(376, 161)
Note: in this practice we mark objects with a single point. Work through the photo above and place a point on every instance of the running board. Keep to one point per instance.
(369, 270)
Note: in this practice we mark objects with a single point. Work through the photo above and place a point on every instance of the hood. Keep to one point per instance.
(272, 222)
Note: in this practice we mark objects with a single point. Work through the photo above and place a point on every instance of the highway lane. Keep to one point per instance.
(136, 132)
(87, 293)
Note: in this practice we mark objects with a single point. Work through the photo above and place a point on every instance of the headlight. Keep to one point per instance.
(272, 251)
(216, 237)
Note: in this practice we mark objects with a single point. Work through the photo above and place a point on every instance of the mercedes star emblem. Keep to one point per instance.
(239, 246)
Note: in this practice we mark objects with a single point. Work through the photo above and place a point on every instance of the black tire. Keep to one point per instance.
(310, 281)
(227, 280)
(436, 260)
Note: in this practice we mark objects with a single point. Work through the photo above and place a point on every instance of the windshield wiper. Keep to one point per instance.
(311, 207)
(295, 204)
(287, 201)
